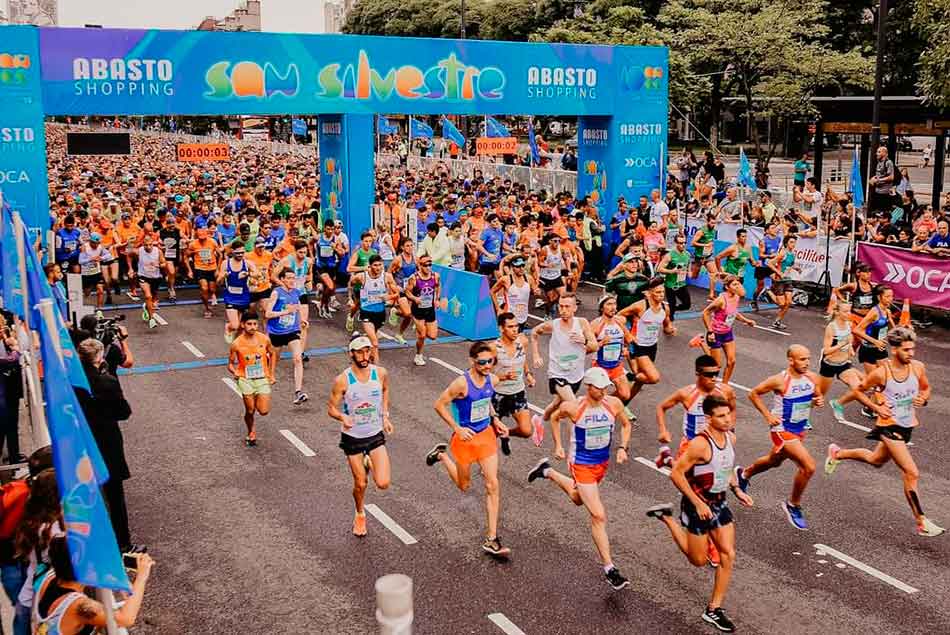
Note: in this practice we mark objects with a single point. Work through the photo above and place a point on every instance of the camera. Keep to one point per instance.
(107, 329)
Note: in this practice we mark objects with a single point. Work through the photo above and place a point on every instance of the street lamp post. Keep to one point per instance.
(462, 19)
(878, 76)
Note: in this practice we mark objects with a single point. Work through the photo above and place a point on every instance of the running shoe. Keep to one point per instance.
(208, 315)
(697, 341)
(837, 410)
(831, 461)
(659, 511)
(537, 430)
(712, 554)
(133, 295)
(306, 358)
(350, 323)
(742, 481)
(172, 297)
(359, 525)
(250, 441)
(300, 397)
(393, 317)
(506, 446)
(433, 456)
(145, 315)
(616, 580)
(664, 458)
(777, 324)
(323, 314)
(400, 339)
(867, 412)
(492, 546)
(795, 516)
(214, 300)
(538, 470)
(929, 529)
(152, 323)
(419, 360)
(718, 618)
(334, 304)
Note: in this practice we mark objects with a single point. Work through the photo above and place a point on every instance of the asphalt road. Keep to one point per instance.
(258, 540)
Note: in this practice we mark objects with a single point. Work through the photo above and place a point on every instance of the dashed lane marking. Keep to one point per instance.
(160, 319)
(652, 465)
(297, 443)
(230, 383)
(506, 625)
(770, 330)
(825, 550)
(740, 386)
(194, 349)
(390, 524)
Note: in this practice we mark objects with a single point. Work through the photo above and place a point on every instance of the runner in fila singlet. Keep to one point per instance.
(612, 338)
(571, 340)
(836, 354)
(703, 474)
(515, 289)
(650, 316)
(904, 388)
(795, 393)
(474, 426)
(719, 317)
(359, 400)
(593, 417)
(251, 362)
(423, 289)
(514, 375)
(234, 276)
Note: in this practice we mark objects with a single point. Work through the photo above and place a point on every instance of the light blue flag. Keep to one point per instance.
(419, 128)
(92, 545)
(385, 127)
(11, 285)
(453, 134)
(857, 188)
(745, 171)
(494, 128)
(533, 144)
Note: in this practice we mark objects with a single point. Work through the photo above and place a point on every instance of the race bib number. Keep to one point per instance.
(90, 268)
(425, 301)
(171, 252)
(481, 410)
(235, 290)
(612, 351)
(903, 410)
(70, 245)
(800, 412)
(204, 255)
(721, 479)
(597, 438)
(457, 261)
(882, 334)
(287, 320)
(707, 249)
(365, 415)
(255, 370)
(680, 275)
(567, 361)
(521, 312)
(730, 320)
(326, 251)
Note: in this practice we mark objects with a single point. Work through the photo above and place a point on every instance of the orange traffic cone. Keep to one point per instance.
(905, 314)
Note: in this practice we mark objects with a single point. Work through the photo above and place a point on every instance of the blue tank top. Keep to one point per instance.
(405, 271)
(236, 291)
(609, 355)
(474, 409)
(285, 324)
(326, 255)
(787, 261)
(876, 329)
(771, 245)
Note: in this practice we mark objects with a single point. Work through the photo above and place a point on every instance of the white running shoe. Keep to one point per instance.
(419, 360)
(929, 529)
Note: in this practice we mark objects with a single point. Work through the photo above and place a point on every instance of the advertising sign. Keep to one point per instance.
(200, 152)
(466, 308)
(496, 145)
(921, 278)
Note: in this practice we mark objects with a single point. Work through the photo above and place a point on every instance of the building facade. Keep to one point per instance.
(36, 12)
(335, 13)
(246, 17)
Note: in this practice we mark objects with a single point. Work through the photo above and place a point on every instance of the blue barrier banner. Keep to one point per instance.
(332, 158)
(135, 71)
(466, 308)
(22, 136)
(299, 127)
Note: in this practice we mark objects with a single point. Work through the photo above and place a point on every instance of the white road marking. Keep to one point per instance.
(652, 465)
(385, 336)
(194, 349)
(765, 328)
(593, 284)
(159, 319)
(825, 550)
(459, 371)
(535, 317)
(300, 445)
(390, 524)
(505, 624)
(740, 386)
(230, 383)
(856, 426)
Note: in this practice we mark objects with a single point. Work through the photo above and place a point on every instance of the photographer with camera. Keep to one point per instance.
(114, 338)
(105, 406)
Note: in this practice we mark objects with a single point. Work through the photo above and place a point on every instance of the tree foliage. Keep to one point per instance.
(414, 18)
(932, 18)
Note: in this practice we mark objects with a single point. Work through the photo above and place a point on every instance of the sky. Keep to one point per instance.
(297, 16)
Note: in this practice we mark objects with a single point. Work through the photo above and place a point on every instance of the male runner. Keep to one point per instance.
(259, 282)
(201, 259)
(703, 474)
(151, 262)
(795, 393)
(674, 266)
(251, 361)
(513, 374)
(703, 243)
(423, 289)
(234, 274)
(571, 340)
(473, 437)
(593, 418)
(301, 265)
(359, 400)
(373, 288)
(650, 315)
(612, 338)
(515, 289)
(284, 320)
(358, 263)
(904, 387)
(329, 252)
(170, 237)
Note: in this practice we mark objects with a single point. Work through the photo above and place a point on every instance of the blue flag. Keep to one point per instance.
(745, 171)
(857, 188)
(385, 127)
(9, 270)
(453, 134)
(92, 544)
(419, 128)
(533, 144)
(299, 127)
(494, 128)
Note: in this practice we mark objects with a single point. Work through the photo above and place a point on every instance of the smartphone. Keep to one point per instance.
(130, 562)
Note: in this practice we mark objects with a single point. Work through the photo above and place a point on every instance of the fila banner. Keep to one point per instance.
(921, 278)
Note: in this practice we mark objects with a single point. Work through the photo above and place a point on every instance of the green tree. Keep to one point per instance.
(932, 18)
(771, 53)
(512, 20)
(414, 18)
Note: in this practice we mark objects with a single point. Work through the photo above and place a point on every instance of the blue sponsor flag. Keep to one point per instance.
(857, 188)
(745, 171)
(92, 544)
(533, 144)
(419, 128)
(12, 291)
(299, 127)
(453, 134)
(385, 127)
(494, 128)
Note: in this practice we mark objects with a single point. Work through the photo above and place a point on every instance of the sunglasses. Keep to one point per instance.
(485, 362)
(708, 373)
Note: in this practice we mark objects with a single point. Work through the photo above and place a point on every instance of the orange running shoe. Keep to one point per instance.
(359, 525)
(697, 341)
(712, 554)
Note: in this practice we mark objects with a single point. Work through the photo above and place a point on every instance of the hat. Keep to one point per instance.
(628, 258)
(518, 262)
(360, 343)
(95, 238)
(126, 215)
(179, 198)
(597, 377)
(260, 241)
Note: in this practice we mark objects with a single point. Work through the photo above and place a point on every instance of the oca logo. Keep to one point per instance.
(636, 78)
(14, 176)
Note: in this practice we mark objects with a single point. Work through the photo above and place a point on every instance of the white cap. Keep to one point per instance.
(597, 377)
(360, 342)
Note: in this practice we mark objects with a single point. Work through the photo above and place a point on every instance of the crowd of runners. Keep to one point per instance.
(252, 237)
